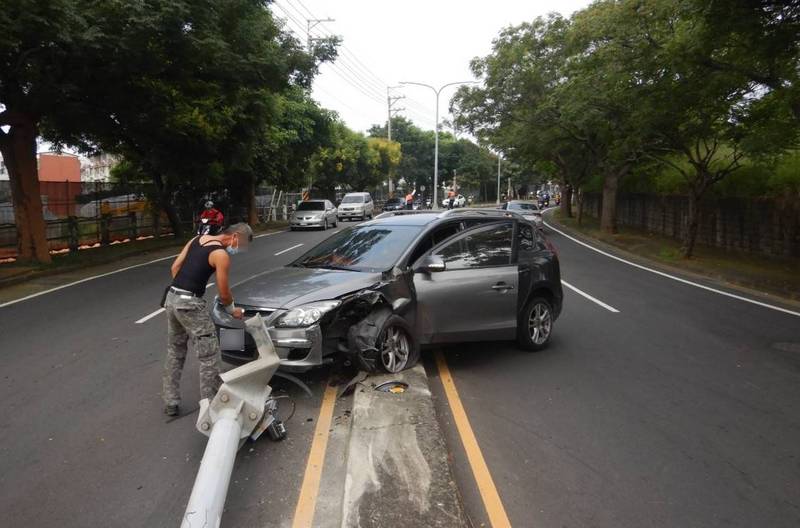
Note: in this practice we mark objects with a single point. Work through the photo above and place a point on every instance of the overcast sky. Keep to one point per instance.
(429, 41)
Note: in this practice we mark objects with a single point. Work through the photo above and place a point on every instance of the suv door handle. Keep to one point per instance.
(502, 286)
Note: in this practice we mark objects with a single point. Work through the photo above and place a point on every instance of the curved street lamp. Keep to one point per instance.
(435, 203)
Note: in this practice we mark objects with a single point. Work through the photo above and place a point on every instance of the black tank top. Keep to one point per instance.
(195, 271)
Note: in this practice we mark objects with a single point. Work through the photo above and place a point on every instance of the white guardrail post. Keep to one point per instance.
(238, 409)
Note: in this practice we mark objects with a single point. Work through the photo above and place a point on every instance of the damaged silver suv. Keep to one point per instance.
(379, 291)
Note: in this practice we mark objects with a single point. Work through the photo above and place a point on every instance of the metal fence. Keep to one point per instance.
(86, 214)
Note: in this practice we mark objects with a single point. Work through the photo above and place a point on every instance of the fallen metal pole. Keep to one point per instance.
(238, 409)
(211, 485)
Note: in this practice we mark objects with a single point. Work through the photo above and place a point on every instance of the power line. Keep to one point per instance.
(336, 69)
(348, 66)
(351, 62)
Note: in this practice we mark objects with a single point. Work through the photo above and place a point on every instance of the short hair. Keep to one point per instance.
(241, 229)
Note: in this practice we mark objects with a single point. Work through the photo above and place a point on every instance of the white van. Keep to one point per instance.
(356, 205)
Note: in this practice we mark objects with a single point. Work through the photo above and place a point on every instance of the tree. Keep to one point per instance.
(475, 165)
(181, 88)
(519, 109)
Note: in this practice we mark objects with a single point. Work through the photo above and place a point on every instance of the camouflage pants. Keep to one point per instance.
(188, 321)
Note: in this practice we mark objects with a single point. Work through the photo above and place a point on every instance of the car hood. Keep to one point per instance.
(291, 286)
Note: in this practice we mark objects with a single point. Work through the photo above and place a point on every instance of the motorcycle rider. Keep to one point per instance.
(213, 217)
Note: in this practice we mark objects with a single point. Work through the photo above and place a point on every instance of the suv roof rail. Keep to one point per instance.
(499, 213)
(480, 211)
(404, 212)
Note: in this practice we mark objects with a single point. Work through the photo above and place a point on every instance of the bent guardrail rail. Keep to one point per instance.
(241, 408)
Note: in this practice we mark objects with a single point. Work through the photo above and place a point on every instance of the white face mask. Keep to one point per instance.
(233, 250)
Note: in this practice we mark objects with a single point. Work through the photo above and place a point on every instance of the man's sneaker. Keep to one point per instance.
(171, 410)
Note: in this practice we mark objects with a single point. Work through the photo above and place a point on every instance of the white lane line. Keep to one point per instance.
(673, 277)
(160, 310)
(288, 249)
(149, 316)
(87, 279)
(270, 234)
(594, 300)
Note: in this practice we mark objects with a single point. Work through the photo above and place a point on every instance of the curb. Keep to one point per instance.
(397, 469)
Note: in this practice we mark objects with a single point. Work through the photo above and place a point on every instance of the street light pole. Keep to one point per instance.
(435, 203)
(498, 179)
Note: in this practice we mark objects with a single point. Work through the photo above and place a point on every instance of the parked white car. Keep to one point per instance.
(356, 205)
(460, 201)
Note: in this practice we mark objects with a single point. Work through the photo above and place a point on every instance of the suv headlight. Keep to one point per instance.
(305, 315)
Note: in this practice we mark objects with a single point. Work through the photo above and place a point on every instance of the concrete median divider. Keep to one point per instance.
(391, 463)
(397, 464)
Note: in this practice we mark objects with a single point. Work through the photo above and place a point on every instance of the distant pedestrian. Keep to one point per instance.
(410, 200)
(451, 195)
(188, 319)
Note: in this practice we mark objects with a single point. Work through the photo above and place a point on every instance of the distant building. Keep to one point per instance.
(98, 167)
(55, 167)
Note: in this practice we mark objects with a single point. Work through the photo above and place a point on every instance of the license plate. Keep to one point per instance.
(231, 338)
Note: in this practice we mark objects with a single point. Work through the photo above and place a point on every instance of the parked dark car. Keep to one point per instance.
(394, 204)
(378, 291)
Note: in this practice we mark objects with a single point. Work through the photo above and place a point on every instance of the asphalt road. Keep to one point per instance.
(681, 409)
(83, 440)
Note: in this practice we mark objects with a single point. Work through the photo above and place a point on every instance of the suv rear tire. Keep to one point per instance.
(535, 324)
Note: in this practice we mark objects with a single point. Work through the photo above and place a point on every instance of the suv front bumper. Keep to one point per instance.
(299, 349)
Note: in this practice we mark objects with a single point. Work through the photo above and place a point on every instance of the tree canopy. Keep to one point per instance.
(626, 86)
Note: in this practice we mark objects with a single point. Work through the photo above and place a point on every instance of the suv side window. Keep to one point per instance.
(433, 238)
(488, 246)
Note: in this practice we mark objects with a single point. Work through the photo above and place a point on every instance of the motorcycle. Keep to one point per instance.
(205, 227)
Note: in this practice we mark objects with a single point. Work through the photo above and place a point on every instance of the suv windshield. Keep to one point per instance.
(353, 199)
(311, 206)
(363, 248)
(522, 207)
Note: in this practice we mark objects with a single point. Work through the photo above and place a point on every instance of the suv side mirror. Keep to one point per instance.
(432, 264)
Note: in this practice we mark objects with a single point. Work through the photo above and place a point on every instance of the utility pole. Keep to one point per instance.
(311, 24)
(498, 179)
(435, 204)
(390, 101)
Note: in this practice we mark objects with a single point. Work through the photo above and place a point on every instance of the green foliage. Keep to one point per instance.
(475, 166)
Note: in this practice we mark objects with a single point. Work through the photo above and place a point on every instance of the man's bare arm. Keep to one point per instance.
(176, 266)
(221, 262)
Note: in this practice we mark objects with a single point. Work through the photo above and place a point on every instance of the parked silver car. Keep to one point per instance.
(356, 205)
(314, 213)
(378, 291)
